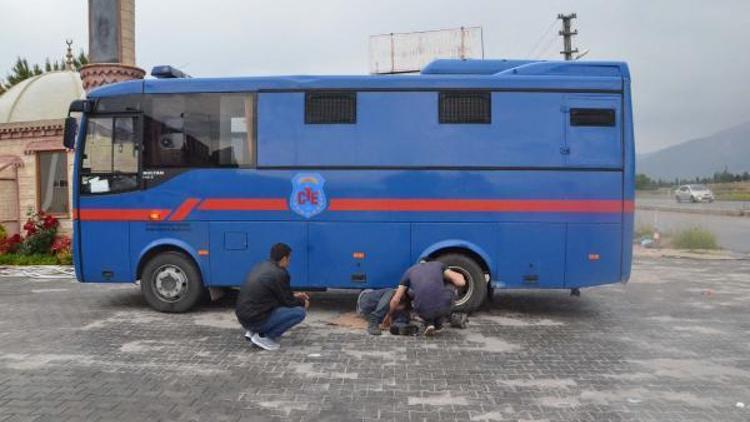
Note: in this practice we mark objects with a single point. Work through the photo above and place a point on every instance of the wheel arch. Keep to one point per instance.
(165, 245)
(463, 247)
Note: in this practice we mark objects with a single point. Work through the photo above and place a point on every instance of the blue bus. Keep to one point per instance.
(518, 174)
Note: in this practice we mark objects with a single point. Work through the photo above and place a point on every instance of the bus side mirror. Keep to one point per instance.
(71, 126)
(81, 106)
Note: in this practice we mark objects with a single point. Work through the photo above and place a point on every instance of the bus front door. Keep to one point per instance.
(109, 197)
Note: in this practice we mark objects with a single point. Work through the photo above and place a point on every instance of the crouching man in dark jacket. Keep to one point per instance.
(266, 305)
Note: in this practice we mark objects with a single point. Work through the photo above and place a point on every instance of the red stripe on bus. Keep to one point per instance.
(118, 214)
(367, 204)
(244, 204)
(184, 209)
(480, 205)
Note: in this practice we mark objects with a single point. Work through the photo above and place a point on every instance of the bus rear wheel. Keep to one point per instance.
(171, 282)
(470, 297)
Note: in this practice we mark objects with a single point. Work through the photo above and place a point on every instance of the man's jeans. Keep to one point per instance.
(437, 316)
(377, 303)
(279, 321)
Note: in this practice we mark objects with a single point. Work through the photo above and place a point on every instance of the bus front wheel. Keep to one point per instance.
(171, 282)
(471, 296)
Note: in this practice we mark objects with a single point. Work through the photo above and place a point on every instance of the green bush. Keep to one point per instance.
(38, 243)
(694, 238)
(37, 259)
(3, 233)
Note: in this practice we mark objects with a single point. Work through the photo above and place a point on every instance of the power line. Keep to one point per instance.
(550, 44)
(541, 37)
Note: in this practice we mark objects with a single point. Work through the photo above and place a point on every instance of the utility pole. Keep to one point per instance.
(567, 35)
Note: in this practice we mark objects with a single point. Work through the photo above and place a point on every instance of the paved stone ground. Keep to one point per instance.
(673, 344)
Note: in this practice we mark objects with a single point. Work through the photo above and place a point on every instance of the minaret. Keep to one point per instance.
(111, 44)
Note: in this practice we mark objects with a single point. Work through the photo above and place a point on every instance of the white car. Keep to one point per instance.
(693, 193)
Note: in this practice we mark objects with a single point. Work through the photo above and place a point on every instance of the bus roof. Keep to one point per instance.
(440, 74)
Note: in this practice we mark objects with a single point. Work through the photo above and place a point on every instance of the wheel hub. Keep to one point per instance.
(170, 283)
(464, 293)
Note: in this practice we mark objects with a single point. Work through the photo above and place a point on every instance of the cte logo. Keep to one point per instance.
(308, 198)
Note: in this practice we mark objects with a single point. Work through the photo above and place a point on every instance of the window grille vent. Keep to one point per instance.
(330, 107)
(465, 107)
(592, 117)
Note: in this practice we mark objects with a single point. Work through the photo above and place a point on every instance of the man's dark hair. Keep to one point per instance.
(279, 251)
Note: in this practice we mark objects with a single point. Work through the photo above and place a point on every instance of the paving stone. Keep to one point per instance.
(670, 345)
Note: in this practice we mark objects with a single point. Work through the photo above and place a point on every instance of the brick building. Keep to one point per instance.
(35, 168)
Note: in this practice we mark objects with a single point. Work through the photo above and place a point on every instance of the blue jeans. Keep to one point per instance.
(376, 303)
(280, 320)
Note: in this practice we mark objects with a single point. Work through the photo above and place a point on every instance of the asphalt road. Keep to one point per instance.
(732, 233)
(669, 202)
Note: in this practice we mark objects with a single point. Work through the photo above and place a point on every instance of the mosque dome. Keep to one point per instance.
(42, 97)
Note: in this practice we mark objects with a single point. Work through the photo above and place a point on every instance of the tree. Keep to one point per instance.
(22, 71)
(52, 67)
(80, 61)
(643, 182)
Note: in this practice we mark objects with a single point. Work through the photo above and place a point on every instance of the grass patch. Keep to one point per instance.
(694, 238)
(733, 191)
(17, 259)
(733, 196)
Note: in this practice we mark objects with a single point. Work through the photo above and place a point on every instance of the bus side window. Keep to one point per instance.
(199, 131)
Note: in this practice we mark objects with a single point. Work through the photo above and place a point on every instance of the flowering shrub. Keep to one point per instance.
(10, 244)
(62, 249)
(41, 246)
(41, 230)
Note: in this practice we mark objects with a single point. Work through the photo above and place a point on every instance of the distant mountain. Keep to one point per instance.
(700, 157)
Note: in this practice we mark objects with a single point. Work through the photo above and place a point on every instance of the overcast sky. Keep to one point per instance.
(689, 59)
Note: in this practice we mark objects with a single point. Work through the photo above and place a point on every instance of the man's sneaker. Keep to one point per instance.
(264, 342)
(429, 331)
(373, 326)
(404, 330)
(459, 320)
(249, 335)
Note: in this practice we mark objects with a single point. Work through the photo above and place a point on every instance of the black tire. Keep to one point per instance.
(693, 200)
(183, 271)
(471, 298)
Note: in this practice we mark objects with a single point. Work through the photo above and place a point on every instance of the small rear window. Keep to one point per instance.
(330, 107)
(465, 107)
(592, 117)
